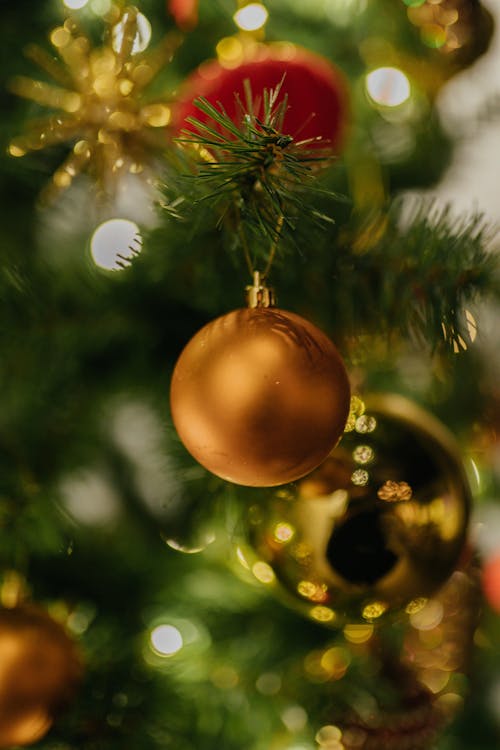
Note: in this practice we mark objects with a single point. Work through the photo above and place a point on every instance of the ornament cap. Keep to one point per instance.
(258, 294)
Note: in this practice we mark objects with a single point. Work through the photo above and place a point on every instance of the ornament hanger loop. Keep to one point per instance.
(259, 295)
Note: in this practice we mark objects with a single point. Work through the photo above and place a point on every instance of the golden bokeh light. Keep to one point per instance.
(263, 572)
(429, 616)
(230, 52)
(416, 605)
(360, 477)
(365, 424)
(357, 633)
(363, 454)
(328, 736)
(392, 492)
(322, 614)
(356, 410)
(283, 532)
(335, 661)
(225, 677)
(374, 610)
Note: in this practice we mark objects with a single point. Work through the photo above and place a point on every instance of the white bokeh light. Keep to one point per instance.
(388, 86)
(75, 4)
(166, 640)
(142, 38)
(251, 17)
(100, 7)
(90, 498)
(114, 243)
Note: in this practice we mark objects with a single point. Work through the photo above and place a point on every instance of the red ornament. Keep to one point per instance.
(491, 582)
(316, 91)
(185, 13)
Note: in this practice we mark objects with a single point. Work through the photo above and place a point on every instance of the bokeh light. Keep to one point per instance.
(374, 610)
(75, 4)
(357, 633)
(388, 87)
(363, 454)
(263, 572)
(429, 616)
(322, 614)
(268, 683)
(100, 7)
(360, 477)
(294, 718)
(90, 498)
(166, 640)
(114, 243)
(328, 734)
(251, 17)
(143, 36)
(205, 540)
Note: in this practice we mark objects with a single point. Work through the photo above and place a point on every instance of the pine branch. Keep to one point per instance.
(423, 276)
(257, 179)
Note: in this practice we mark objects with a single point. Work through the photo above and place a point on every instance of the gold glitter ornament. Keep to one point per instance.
(98, 99)
(380, 523)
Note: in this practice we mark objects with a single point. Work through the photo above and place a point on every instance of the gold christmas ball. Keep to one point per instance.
(380, 524)
(260, 396)
(421, 665)
(39, 671)
(23, 727)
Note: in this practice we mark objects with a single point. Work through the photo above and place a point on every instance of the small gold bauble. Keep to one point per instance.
(39, 670)
(260, 396)
(380, 523)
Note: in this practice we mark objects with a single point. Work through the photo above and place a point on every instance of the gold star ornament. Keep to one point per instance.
(98, 100)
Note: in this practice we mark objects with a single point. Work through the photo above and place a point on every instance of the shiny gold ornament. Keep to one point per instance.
(260, 396)
(425, 680)
(39, 671)
(99, 101)
(379, 524)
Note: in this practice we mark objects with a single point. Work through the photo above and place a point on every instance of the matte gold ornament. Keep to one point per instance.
(260, 396)
(379, 524)
(39, 671)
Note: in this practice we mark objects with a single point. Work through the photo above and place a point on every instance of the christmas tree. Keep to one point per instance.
(249, 411)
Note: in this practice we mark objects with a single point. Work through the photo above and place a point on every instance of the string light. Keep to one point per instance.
(251, 17)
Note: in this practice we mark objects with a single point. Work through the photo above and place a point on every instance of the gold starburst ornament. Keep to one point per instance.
(98, 100)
